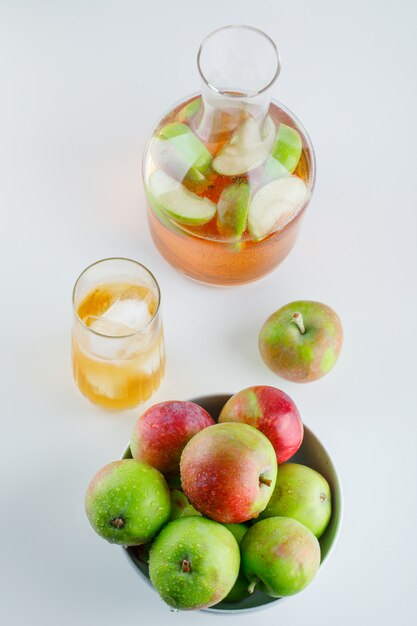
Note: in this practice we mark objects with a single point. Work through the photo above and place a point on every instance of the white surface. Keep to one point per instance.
(81, 85)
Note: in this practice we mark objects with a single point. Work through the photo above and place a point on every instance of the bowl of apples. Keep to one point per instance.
(222, 503)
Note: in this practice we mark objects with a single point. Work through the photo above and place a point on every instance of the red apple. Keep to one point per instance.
(271, 411)
(161, 433)
(228, 472)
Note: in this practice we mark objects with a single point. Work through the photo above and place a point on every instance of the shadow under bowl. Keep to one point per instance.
(311, 453)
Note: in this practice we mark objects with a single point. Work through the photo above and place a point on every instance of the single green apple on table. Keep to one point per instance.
(302, 494)
(280, 556)
(301, 341)
(194, 563)
(127, 502)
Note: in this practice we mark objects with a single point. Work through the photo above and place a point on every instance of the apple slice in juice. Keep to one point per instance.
(285, 156)
(288, 147)
(178, 202)
(188, 111)
(274, 169)
(232, 210)
(248, 149)
(274, 205)
(179, 148)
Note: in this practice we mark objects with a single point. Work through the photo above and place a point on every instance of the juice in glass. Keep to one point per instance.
(117, 342)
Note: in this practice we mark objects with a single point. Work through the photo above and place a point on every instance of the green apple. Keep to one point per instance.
(232, 210)
(178, 202)
(302, 494)
(248, 148)
(301, 341)
(280, 556)
(187, 149)
(180, 506)
(238, 531)
(275, 204)
(239, 590)
(127, 502)
(194, 563)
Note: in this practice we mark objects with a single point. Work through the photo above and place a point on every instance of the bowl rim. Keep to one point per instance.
(273, 601)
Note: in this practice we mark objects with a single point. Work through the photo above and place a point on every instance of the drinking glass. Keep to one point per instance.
(118, 353)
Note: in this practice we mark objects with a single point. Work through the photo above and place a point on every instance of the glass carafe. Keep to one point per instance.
(229, 172)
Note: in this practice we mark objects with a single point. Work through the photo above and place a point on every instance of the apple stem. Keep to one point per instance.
(186, 566)
(118, 522)
(253, 584)
(297, 318)
(264, 480)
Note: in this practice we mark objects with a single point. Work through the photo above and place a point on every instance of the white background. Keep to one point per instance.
(81, 85)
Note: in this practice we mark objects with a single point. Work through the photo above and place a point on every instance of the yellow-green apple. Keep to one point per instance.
(301, 341)
(127, 502)
(180, 507)
(194, 563)
(302, 494)
(228, 472)
(271, 411)
(280, 556)
(239, 590)
(161, 433)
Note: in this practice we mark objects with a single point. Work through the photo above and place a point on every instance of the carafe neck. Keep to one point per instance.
(222, 113)
(238, 66)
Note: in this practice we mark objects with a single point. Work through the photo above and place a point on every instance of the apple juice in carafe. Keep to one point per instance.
(227, 176)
